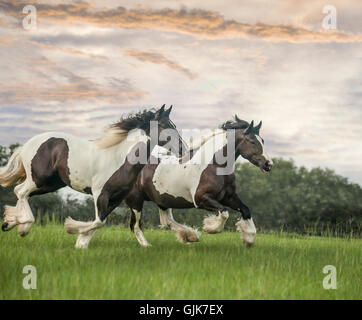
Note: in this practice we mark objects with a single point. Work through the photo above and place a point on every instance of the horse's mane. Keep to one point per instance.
(118, 131)
(202, 139)
(235, 123)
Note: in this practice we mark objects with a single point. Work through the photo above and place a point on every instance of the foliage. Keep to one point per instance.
(296, 197)
(289, 197)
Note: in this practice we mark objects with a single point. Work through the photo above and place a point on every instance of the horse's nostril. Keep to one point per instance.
(268, 165)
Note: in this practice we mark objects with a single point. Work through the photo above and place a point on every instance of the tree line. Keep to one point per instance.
(289, 198)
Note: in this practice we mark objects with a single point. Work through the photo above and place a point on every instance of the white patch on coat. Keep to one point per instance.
(264, 154)
(182, 180)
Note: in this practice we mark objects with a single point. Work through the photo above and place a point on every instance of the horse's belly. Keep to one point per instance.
(80, 182)
(169, 201)
(178, 180)
(170, 180)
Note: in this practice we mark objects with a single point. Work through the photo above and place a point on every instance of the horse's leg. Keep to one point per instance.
(86, 230)
(165, 216)
(213, 223)
(84, 239)
(246, 224)
(136, 227)
(21, 214)
(105, 203)
(184, 233)
(135, 200)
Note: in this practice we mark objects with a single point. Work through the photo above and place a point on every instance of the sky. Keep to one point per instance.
(88, 62)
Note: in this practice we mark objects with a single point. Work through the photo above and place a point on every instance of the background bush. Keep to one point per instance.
(289, 197)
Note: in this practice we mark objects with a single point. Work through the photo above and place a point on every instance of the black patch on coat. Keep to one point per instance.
(119, 184)
(49, 167)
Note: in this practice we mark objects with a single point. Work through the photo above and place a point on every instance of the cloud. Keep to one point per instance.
(74, 88)
(196, 22)
(87, 64)
(57, 83)
(158, 58)
(85, 90)
(67, 50)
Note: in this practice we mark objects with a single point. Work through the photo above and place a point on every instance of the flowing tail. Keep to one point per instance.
(14, 171)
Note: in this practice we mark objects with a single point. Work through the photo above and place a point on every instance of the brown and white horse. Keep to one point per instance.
(197, 180)
(107, 168)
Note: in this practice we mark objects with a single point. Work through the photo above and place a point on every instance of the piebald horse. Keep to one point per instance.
(194, 181)
(102, 167)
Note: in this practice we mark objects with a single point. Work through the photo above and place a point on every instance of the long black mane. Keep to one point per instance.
(235, 123)
(118, 131)
(140, 120)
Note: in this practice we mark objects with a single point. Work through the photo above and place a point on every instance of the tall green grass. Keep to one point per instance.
(279, 266)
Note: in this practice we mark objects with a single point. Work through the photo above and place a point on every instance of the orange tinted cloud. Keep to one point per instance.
(157, 58)
(199, 23)
(63, 92)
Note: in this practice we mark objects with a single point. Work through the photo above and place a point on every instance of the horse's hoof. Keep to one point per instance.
(146, 245)
(24, 228)
(4, 227)
(248, 244)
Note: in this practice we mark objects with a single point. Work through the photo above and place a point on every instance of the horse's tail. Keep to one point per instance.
(14, 171)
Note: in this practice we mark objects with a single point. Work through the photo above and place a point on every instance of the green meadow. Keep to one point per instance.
(115, 266)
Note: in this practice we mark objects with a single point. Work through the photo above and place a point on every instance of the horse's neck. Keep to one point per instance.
(196, 142)
(120, 151)
(205, 153)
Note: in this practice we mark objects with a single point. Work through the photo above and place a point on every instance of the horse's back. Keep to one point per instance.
(31, 147)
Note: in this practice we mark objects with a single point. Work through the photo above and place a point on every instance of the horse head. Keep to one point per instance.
(249, 144)
(168, 135)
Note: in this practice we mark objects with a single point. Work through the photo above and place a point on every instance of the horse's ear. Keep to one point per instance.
(237, 118)
(250, 128)
(167, 112)
(160, 112)
(257, 128)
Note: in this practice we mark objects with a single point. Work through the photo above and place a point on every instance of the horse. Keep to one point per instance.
(106, 168)
(173, 183)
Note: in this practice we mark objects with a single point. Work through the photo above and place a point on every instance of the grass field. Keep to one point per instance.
(280, 266)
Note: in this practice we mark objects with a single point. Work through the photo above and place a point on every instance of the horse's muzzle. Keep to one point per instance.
(267, 166)
(4, 227)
